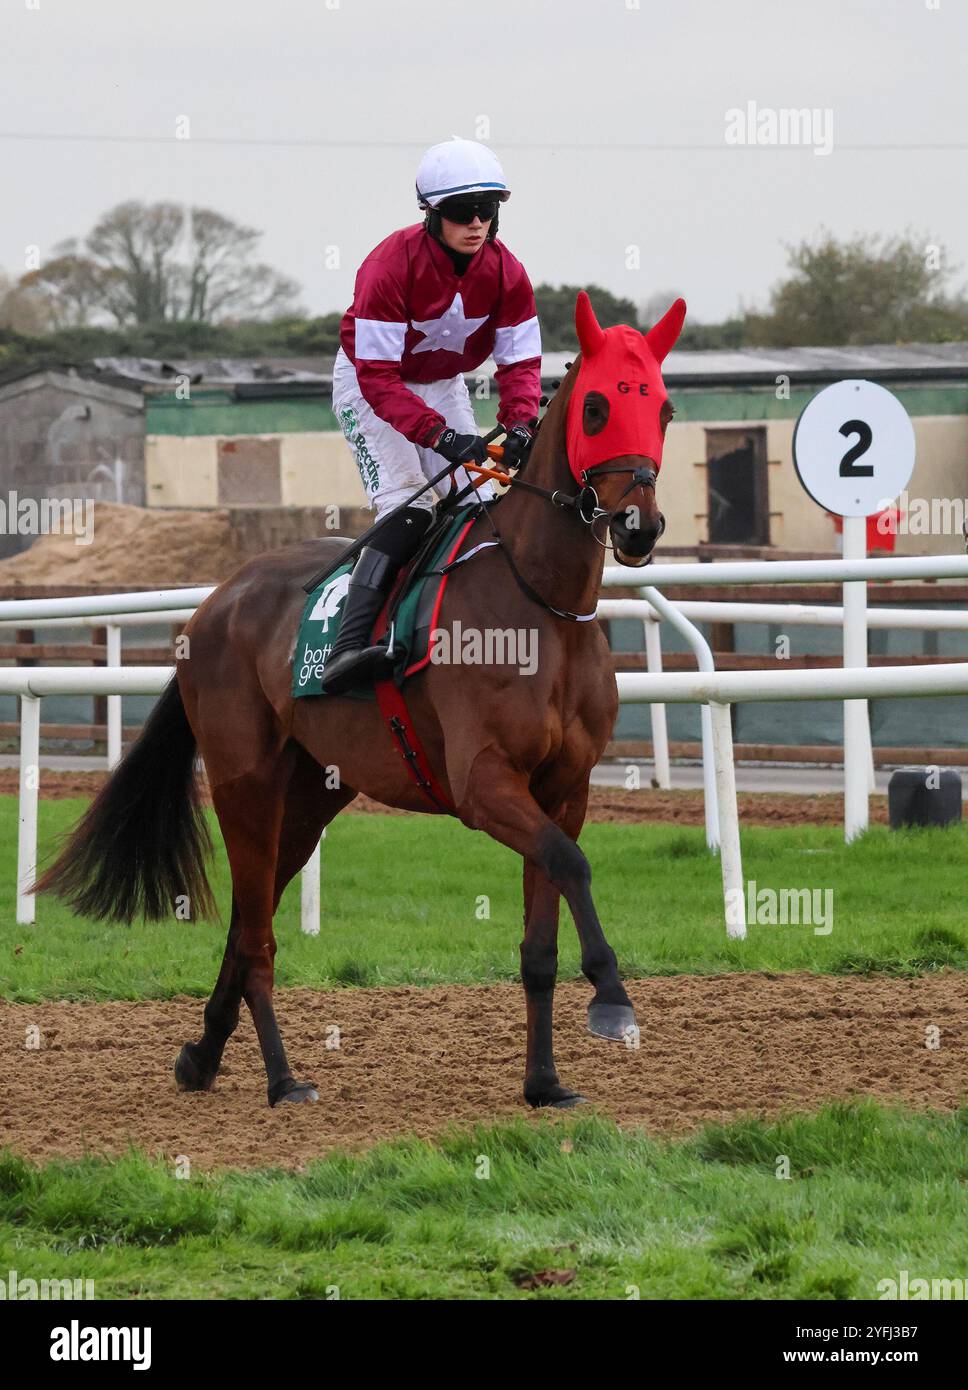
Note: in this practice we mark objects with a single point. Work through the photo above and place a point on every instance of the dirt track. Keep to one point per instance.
(414, 1060)
(608, 804)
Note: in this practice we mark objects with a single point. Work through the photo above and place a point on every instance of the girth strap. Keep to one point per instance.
(396, 716)
(393, 707)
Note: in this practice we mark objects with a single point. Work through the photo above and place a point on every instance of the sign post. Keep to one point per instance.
(857, 729)
(853, 449)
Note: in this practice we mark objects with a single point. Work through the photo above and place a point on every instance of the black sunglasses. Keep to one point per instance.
(464, 210)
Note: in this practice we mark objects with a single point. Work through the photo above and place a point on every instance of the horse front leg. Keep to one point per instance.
(610, 1013)
(539, 970)
(496, 798)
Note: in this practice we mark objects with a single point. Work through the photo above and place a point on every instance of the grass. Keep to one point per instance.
(426, 901)
(616, 1215)
(558, 1207)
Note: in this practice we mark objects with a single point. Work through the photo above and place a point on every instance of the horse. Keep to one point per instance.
(513, 753)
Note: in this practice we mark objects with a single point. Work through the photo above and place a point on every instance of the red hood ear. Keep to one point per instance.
(591, 337)
(662, 337)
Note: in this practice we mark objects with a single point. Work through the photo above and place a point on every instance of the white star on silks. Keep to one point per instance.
(450, 332)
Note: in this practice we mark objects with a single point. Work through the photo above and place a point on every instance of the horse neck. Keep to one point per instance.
(551, 547)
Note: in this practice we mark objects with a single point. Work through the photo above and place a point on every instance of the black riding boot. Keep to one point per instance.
(352, 662)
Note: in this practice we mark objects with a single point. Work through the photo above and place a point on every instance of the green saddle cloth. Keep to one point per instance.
(323, 613)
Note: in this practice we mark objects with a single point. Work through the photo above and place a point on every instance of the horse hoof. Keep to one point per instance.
(613, 1021)
(558, 1098)
(298, 1091)
(568, 1101)
(188, 1074)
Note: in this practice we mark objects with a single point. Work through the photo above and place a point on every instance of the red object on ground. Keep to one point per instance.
(881, 527)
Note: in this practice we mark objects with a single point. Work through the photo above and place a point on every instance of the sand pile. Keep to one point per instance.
(133, 547)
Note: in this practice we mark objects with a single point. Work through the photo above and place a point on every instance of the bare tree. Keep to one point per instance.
(139, 244)
(222, 281)
(144, 264)
(22, 310)
(651, 310)
(68, 290)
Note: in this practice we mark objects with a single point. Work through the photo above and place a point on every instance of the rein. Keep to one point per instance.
(583, 503)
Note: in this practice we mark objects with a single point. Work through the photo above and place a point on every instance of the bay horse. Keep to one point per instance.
(514, 753)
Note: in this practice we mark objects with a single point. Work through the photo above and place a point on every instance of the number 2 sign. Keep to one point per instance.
(853, 448)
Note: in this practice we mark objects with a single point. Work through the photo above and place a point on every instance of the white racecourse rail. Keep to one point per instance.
(852, 572)
(112, 624)
(715, 689)
(776, 615)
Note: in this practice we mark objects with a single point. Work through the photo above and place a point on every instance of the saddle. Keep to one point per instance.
(409, 615)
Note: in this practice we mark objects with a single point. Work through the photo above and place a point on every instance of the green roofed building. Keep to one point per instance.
(263, 434)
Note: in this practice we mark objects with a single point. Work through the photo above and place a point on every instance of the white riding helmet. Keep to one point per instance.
(459, 166)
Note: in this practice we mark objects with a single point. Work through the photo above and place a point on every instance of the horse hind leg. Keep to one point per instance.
(271, 825)
(197, 1065)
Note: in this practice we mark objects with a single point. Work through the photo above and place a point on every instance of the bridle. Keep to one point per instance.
(584, 504)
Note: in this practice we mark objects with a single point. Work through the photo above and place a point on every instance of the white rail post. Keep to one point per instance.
(857, 736)
(657, 713)
(705, 662)
(114, 701)
(871, 769)
(730, 853)
(29, 796)
(310, 891)
(710, 796)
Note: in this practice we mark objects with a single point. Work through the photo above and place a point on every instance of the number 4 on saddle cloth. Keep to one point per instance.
(412, 609)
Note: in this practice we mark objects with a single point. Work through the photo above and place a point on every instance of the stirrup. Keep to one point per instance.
(358, 666)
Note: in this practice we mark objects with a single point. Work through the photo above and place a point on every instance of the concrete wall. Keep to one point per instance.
(300, 458)
(302, 470)
(258, 529)
(796, 522)
(64, 437)
(941, 471)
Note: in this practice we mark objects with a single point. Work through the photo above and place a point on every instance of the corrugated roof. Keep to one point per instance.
(219, 371)
(84, 380)
(261, 377)
(738, 366)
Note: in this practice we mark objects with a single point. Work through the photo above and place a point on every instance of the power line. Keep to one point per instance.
(551, 146)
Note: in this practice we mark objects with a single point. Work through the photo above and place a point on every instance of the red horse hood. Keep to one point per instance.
(624, 366)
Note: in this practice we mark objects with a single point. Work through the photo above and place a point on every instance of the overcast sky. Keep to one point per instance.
(308, 117)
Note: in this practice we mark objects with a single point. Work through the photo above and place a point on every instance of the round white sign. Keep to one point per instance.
(853, 448)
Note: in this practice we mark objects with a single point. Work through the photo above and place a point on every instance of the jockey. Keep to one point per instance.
(432, 302)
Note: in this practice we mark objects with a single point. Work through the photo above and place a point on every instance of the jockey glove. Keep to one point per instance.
(517, 446)
(461, 448)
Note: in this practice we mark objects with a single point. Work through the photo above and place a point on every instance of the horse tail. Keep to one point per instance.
(142, 845)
